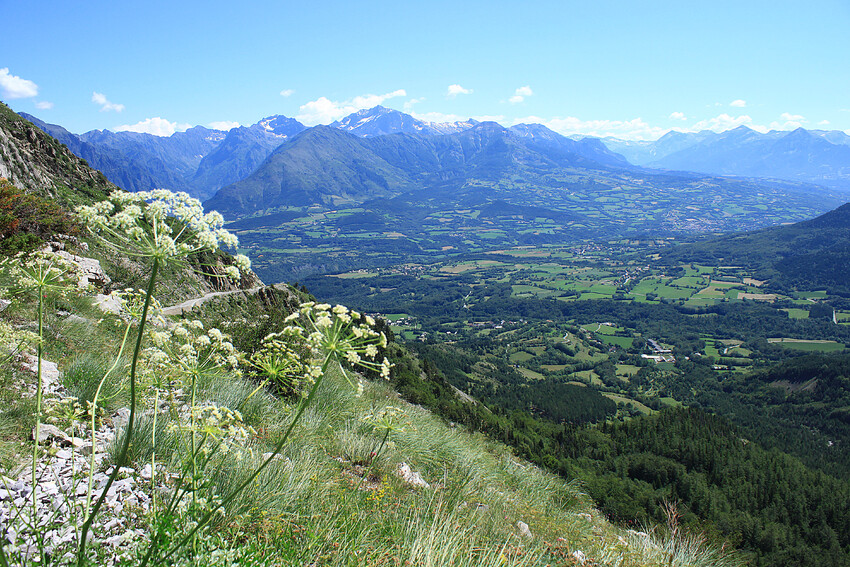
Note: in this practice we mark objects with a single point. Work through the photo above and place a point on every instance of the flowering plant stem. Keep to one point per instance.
(38, 396)
(375, 458)
(90, 490)
(194, 457)
(153, 454)
(233, 494)
(128, 432)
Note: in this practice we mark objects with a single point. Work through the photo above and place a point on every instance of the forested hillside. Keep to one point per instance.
(763, 501)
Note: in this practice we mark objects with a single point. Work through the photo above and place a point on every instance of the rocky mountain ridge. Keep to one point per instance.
(811, 156)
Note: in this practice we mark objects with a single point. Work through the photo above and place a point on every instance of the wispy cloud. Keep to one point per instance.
(156, 126)
(409, 104)
(324, 111)
(44, 105)
(520, 94)
(287, 92)
(724, 122)
(678, 116)
(223, 125)
(739, 103)
(105, 105)
(441, 118)
(634, 129)
(455, 90)
(13, 86)
(788, 121)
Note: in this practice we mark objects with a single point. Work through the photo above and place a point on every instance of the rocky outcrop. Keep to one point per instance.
(33, 161)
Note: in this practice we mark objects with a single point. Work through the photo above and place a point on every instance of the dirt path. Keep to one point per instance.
(190, 304)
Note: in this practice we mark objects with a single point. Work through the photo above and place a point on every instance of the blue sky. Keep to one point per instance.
(629, 69)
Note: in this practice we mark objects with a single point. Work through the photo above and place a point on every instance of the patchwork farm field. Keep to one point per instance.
(608, 316)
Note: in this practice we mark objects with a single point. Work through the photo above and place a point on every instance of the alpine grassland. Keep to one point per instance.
(265, 435)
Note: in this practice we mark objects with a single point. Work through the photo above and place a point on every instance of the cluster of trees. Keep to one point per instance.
(799, 406)
(763, 501)
(766, 502)
(496, 383)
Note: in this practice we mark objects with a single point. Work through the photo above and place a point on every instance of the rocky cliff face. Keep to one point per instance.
(33, 161)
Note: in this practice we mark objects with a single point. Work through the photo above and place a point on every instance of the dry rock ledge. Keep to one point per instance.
(61, 487)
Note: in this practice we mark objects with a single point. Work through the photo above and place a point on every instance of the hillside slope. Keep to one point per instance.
(38, 163)
(815, 252)
(360, 477)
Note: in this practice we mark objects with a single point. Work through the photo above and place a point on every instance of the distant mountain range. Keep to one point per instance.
(811, 156)
(328, 166)
(379, 121)
(280, 162)
(199, 161)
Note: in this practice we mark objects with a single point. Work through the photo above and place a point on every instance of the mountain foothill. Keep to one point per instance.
(380, 152)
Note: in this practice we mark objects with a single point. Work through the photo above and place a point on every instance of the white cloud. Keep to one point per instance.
(324, 111)
(44, 105)
(156, 126)
(437, 117)
(788, 121)
(520, 94)
(105, 105)
(678, 116)
(487, 118)
(455, 90)
(287, 92)
(408, 104)
(738, 103)
(824, 123)
(223, 125)
(320, 111)
(635, 129)
(13, 86)
(724, 122)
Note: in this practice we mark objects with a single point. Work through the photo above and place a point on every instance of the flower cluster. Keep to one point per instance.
(67, 414)
(37, 274)
(389, 418)
(283, 358)
(222, 428)
(187, 348)
(341, 335)
(13, 341)
(143, 224)
(132, 302)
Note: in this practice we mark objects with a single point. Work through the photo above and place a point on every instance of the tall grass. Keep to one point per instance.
(315, 481)
(82, 377)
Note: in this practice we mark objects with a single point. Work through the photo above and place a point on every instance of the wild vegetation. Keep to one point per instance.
(684, 392)
(523, 329)
(293, 461)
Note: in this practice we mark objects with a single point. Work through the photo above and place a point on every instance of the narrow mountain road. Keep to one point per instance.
(190, 304)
